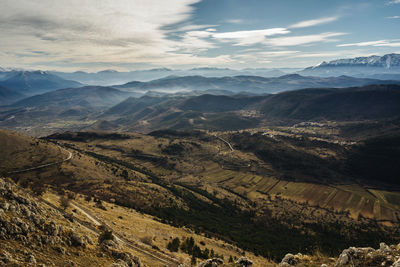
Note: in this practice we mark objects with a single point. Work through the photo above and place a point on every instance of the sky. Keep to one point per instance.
(93, 35)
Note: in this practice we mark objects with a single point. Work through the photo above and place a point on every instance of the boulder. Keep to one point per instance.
(384, 248)
(76, 239)
(119, 263)
(243, 261)
(211, 263)
(128, 258)
(288, 260)
(31, 259)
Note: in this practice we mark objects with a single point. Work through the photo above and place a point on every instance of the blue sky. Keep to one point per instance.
(93, 35)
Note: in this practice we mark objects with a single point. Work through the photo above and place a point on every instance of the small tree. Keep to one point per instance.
(106, 235)
(230, 258)
(193, 261)
(88, 198)
(173, 246)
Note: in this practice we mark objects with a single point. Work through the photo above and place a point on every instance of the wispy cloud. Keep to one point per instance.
(191, 27)
(234, 21)
(393, 17)
(392, 2)
(303, 39)
(386, 43)
(245, 38)
(313, 22)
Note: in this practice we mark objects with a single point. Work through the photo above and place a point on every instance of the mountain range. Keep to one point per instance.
(211, 112)
(376, 67)
(35, 82)
(247, 84)
(110, 77)
(60, 108)
(383, 67)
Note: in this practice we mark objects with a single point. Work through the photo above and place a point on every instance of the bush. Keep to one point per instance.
(106, 235)
(88, 198)
(173, 246)
(64, 202)
(38, 189)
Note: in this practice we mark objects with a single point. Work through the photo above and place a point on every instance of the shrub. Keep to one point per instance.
(64, 202)
(106, 235)
(88, 198)
(173, 246)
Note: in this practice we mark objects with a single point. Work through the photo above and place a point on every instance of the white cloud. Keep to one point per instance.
(393, 17)
(320, 55)
(91, 31)
(386, 43)
(190, 27)
(393, 2)
(245, 38)
(313, 22)
(302, 39)
(196, 41)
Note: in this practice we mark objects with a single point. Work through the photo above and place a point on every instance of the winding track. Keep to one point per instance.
(44, 165)
(163, 258)
(226, 142)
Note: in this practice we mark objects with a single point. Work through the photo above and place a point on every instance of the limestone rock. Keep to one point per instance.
(243, 261)
(211, 263)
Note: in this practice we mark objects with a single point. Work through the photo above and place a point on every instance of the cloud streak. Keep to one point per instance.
(384, 43)
(312, 22)
(303, 39)
(245, 38)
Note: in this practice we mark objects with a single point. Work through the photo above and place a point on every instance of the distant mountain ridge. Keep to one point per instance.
(381, 67)
(8, 96)
(34, 82)
(85, 97)
(386, 61)
(111, 77)
(248, 84)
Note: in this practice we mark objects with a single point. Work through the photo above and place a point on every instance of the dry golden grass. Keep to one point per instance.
(146, 231)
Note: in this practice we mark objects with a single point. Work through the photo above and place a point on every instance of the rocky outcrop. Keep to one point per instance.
(243, 261)
(384, 256)
(39, 228)
(211, 263)
(293, 260)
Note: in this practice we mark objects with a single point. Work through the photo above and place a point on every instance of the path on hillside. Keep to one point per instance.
(226, 142)
(165, 259)
(44, 165)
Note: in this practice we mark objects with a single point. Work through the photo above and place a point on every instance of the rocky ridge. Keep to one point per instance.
(34, 234)
(385, 256)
